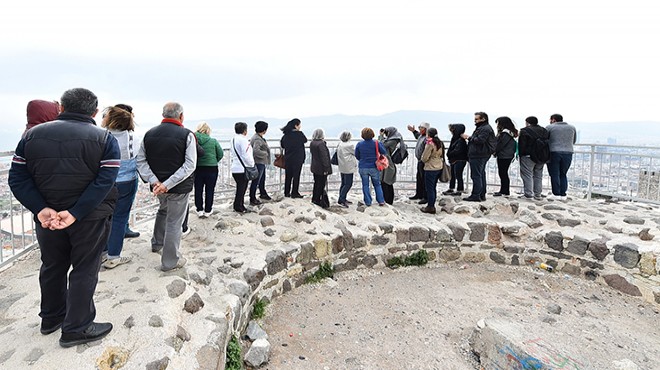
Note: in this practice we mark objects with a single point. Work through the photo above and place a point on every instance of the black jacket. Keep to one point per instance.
(293, 143)
(165, 150)
(528, 136)
(320, 158)
(458, 147)
(478, 142)
(506, 146)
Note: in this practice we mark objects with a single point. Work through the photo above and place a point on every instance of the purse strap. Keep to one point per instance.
(233, 144)
(377, 152)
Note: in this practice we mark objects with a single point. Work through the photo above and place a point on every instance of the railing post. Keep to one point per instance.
(591, 171)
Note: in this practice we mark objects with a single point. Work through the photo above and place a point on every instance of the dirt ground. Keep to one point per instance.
(421, 318)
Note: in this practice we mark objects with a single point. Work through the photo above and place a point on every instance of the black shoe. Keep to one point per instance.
(430, 210)
(472, 199)
(131, 234)
(50, 326)
(265, 197)
(254, 202)
(297, 196)
(483, 199)
(422, 201)
(94, 332)
(497, 194)
(287, 195)
(448, 192)
(415, 197)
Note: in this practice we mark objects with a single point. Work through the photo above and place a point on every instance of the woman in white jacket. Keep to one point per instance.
(240, 148)
(347, 166)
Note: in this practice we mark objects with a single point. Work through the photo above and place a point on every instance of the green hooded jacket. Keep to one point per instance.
(212, 151)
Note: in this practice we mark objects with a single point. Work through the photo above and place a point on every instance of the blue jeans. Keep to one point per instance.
(374, 174)
(558, 167)
(430, 181)
(126, 194)
(478, 175)
(346, 184)
(259, 181)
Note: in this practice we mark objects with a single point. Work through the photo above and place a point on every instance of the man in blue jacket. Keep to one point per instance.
(64, 172)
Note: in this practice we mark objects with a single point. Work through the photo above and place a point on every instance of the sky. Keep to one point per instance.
(590, 61)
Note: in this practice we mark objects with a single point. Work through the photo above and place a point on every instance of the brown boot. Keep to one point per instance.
(430, 210)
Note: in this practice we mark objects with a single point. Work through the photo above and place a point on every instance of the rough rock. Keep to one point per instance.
(599, 249)
(386, 228)
(477, 231)
(634, 220)
(457, 230)
(288, 236)
(176, 288)
(494, 234)
(267, 221)
(497, 258)
(258, 353)
(275, 261)
(577, 246)
(571, 269)
(529, 219)
(645, 235)
(647, 264)
(194, 303)
(159, 364)
(402, 236)
(626, 255)
(380, 240)
(419, 234)
(239, 288)
(156, 321)
(450, 254)
(130, 322)
(182, 333)
(369, 261)
(621, 284)
(254, 331)
(555, 240)
(254, 277)
(567, 222)
(553, 308)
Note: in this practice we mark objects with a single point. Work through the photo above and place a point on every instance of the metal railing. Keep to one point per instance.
(624, 172)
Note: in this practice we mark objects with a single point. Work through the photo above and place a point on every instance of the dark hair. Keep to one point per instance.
(506, 123)
(118, 119)
(433, 134)
(79, 100)
(532, 120)
(482, 115)
(240, 127)
(367, 133)
(290, 125)
(260, 126)
(557, 117)
(125, 107)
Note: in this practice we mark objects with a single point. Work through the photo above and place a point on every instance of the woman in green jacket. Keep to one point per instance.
(206, 172)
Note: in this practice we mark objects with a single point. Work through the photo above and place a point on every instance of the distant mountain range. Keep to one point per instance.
(646, 133)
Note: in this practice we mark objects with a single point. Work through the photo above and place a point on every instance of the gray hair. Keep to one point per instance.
(318, 134)
(80, 101)
(345, 136)
(172, 110)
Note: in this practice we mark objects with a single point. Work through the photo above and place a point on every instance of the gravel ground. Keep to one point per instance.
(420, 318)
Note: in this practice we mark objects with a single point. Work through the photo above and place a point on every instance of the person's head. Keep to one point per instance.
(173, 110)
(240, 128)
(456, 129)
(294, 124)
(532, 121)
(480, 117)
(81, 101)
(367, 133)
(125, 107)
(423, 127)
(260, 127)
(345, 136)
(204, 128)
(432, 133)
(556, 118)
(40, 111)
(117, 119)
(318, 134)
(505, 123)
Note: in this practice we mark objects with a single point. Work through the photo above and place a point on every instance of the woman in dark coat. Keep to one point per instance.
(320, 167)
(505, 152)
(457, 157)
(293, 142)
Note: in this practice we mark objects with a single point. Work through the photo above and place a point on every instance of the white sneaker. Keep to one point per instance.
(208, 214)
(111, 263)
(563, 198)
(201, 214)
(185, 233)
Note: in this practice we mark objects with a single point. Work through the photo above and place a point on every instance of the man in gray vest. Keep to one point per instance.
(420, 186)
(167, 160)
(64, 172)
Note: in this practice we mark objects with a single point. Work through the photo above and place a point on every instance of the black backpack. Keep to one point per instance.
(400, 154)
(540, 152)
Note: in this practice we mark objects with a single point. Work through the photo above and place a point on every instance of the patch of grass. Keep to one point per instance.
(325, 271)
(234, 361)
(419, 258)
(259, 309)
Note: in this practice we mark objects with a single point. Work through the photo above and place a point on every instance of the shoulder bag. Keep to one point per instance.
(251, 173)
(381, 161)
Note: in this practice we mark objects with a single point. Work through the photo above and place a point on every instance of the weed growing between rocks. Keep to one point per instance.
(234, 361)
(325, 271)
(418, 258)
(259, 309)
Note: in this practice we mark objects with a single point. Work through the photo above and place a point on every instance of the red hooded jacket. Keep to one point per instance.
(40, 111)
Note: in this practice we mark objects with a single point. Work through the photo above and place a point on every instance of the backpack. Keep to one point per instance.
(400, 154)
(540, 152)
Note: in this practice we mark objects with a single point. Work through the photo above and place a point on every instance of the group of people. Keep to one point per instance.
(80, 182)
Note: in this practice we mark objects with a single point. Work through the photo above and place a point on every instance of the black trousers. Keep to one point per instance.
(388, 192)
(292, 177)
(79, 245)
(319, 187)
(420, 183)
(503, 171)
(241, 188)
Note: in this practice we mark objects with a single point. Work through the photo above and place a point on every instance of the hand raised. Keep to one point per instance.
(411, 128)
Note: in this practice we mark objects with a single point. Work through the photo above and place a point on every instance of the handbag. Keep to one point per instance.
(445, 173)
(334, 160)
(251, 173)
(381, 161)
(279, 161)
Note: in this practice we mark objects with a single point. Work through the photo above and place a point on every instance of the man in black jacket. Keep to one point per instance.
(481, 146)
(420, 187)
(167, 160)
(530, 171)
(64, 172)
